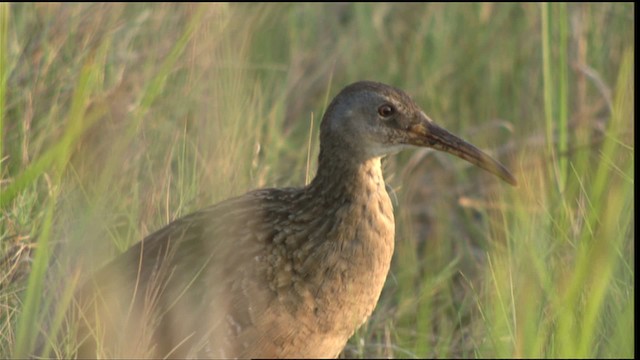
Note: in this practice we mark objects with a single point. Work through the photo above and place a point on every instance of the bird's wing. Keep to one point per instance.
(197, 279)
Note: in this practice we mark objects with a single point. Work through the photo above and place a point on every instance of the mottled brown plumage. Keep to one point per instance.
(276, 272)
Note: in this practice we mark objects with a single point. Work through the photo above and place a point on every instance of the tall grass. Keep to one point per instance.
(117, 119)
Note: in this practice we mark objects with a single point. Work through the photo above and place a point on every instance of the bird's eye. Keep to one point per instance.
(386, 110)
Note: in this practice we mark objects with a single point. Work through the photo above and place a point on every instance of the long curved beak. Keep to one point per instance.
(427, 134)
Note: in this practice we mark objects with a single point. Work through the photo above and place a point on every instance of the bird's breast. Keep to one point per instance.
(346, 271)
(363, 250)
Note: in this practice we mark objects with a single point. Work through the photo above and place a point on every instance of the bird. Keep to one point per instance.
(276, 272)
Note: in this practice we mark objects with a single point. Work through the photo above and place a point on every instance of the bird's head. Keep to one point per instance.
(370, 119)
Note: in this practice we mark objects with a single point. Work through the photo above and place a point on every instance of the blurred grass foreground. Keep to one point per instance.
(116, 119)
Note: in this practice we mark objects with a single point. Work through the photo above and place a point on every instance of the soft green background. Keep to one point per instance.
(118, 118)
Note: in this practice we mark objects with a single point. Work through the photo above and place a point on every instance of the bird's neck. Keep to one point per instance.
(347, 179)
